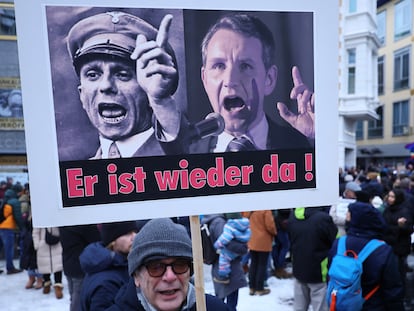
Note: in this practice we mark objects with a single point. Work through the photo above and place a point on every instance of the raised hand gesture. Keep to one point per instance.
(304, 120)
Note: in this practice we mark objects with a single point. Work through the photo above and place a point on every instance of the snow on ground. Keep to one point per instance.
(17, 298)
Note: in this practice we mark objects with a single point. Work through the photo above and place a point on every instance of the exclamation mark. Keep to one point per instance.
(308, 167)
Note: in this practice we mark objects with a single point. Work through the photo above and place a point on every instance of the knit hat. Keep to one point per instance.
(111, 231)
(365, 218)
(159, 238)
(352, 186)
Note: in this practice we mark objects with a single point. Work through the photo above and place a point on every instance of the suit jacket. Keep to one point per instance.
(279, 137)
(152, 147)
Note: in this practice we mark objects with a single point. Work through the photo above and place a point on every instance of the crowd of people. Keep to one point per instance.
(148, 265)
(136, 265)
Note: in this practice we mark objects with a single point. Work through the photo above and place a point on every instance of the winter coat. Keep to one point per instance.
(105, 273)
(373, 187)
(263, 227)
(127, 300)
(25, 203)
(398, 237)
(49, 257)
(381, 267)
(311, 233)
(28, 259)
(74, 239)
(281, 217)
(238, 229)
(12, 211)
(338, 213)
(237, 278)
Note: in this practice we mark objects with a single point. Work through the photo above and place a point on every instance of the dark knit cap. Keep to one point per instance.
(111, 231)
(159, 238)
(365, 219)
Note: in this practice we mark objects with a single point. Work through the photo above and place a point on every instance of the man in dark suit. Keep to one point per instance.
(238, 71)
(127, 73)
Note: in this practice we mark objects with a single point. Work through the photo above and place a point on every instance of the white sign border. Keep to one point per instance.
(41, 136)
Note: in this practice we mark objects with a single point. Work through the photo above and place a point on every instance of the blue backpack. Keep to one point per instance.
(344, 286)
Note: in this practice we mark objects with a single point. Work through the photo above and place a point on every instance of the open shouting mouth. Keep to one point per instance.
(233, 103)
(112, 113)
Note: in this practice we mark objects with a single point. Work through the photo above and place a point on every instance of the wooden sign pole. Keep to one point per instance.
(198, 263)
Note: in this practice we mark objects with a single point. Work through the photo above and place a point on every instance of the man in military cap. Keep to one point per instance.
(128, 74)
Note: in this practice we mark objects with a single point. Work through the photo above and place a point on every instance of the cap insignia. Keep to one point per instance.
(115, 16)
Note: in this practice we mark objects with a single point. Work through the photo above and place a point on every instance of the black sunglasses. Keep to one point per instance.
(157, 268)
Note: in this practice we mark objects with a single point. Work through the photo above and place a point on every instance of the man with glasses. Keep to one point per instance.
(160, 263)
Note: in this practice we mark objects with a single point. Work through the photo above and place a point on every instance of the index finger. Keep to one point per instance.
(297, 78)
(162, 35)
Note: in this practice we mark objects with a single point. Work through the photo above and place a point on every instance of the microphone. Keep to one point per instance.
(212, 125)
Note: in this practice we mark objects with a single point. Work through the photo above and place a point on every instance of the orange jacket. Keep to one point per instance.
(263, 228)
(9, 222)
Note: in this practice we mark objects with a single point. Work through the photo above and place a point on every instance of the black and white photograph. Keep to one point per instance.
(154, 103)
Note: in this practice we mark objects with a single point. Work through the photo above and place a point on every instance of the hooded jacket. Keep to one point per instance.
(311, 232)
(399, 237)
(105, 273)
(381, 266)
(12, 211)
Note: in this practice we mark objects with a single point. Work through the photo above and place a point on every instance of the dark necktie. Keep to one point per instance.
(240, 144)
(113, 151)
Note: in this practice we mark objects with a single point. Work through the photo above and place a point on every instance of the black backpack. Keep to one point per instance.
(209, 252)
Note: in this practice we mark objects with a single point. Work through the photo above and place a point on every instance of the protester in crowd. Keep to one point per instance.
(312, 232)
(74, 239)
(3, 188)
(405, 185)
(49, 259)
(339, 211)
(399, 229)
(160, 263)
(236, 228)
(24, 198)
(343, 180)
(28, 260)
(228, 292)
(13, 220)
(372, 185)
(281, 245)
(380, 268)
(105, 265)
(263, 228)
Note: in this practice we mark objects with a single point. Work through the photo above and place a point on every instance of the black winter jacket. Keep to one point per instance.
(381, 266)
(126, 300)
(311, 232)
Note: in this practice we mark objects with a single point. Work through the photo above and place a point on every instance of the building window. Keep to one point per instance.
(351, 70)
(400, 125)
(401, 69)
(352, 6)
(402, 19)
(7, 22)
(359, 132)
(381, 26)
(381, 75)
(375, 127)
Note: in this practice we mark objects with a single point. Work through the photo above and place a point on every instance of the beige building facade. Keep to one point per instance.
(381, 142)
